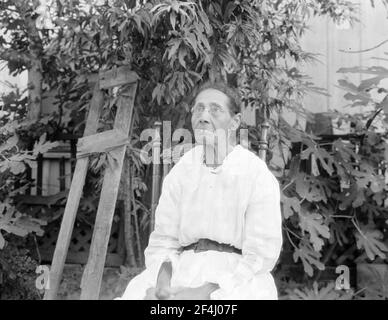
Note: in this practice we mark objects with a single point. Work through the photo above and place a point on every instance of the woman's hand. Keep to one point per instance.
(150, 294)
(191, 294)
(181, 293)
(199, 293)
(162, 289)
(165, 293)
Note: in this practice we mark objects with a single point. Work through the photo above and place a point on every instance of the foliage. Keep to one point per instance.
(173, 46)
(342, 202)
(13, 165)
(327, 292)
(17, 272)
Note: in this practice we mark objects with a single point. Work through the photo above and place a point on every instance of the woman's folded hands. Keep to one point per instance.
(164, 291)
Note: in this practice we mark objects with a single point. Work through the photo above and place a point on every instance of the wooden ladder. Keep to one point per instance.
(114, 143)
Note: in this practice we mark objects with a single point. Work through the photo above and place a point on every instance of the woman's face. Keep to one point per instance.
(211, 116)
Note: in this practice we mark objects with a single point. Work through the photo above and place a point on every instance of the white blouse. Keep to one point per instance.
(237, 203)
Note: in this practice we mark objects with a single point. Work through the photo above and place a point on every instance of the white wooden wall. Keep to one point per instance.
(51, 173)
(20, 80)
(327, 39)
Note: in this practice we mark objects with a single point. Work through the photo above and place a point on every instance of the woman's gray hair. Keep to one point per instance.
(232, 93)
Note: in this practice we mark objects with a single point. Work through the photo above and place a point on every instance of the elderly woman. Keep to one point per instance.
(218, 222)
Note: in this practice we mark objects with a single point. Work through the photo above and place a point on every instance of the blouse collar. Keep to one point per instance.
(219, 167)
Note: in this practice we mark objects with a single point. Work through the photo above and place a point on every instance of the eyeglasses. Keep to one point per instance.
(213, 109)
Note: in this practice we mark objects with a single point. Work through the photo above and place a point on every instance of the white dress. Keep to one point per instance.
(239, 204)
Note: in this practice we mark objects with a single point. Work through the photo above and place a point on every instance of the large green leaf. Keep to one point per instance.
(16, 223)
(350, 198)
(313, 223)
(345, 150)
(11, 143)
(290, 206)
(309, 258)
(370, 240)
(311, 188)
(322, 155)
(366, 177)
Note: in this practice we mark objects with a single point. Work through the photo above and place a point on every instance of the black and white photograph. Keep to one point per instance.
(221, 150)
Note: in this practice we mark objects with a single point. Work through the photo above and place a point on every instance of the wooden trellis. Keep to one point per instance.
(114, 143)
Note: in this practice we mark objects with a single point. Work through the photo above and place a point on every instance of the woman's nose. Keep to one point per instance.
(205, 116)
(204, 120)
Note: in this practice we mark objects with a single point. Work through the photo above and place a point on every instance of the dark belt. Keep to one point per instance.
(207, 244)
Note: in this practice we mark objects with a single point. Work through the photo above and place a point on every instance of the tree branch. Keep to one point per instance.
(366, 50)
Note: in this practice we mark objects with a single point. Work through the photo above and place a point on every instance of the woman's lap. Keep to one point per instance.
(260, 287)
(194, 269)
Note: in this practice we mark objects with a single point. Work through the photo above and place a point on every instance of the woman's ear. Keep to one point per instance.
(236, 121)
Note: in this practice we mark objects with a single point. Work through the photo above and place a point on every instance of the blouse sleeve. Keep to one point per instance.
(262, 235)
(163, 243)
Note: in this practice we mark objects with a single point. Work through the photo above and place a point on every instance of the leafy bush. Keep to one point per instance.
(16, 156)
(336, 210)
(327, 292)
(17, 272)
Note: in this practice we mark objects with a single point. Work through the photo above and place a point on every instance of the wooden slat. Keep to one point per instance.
(92, 276)
(167, 150)
(72, 203)
(156, 176)
(263, 143)
(73, 148)
(66, 136)
(120, 239)
(126, 207)
(29, 178)
(39, 177)
(117, 77)
(41, 200)
(112, 259)
(62, 173)
(101, 142)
